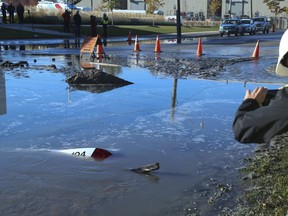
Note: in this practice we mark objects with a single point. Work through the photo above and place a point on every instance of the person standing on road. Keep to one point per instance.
(93, 24)
(104, 23)
(66, 17)
(3, 10)
(263, 113)
(78, 22)
(20, 13)
(11, 10)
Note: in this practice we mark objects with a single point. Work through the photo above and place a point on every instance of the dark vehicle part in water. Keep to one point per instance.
(147, 168)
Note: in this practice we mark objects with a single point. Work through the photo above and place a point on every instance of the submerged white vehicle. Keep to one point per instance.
(49, 11)
(48, 7)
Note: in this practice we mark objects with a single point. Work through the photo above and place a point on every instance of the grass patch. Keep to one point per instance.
(113, 31)
(267, 180)
(13, 34)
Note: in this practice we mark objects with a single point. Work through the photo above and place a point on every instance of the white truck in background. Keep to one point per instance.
(262, 24)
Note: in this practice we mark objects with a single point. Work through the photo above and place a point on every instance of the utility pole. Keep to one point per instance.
(230, 9)
(178, 23)
(92, 6)
(242, 7)
(251, 9)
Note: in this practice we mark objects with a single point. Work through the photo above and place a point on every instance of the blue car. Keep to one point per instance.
(249, 26)
(231, 26)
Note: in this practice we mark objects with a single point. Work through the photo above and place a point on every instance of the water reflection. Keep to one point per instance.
(104, 64)
(174, 96)
(77, 43)
(22, 47)
(108, 64)
(3, 108)
(70, 44)
(93, 88)
(105, 42)
(39, 45)
(67, 44)
(136, 60)
(136, 120)
(151, 177)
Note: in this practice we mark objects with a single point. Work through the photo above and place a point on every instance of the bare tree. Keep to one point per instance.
(152, 6)
(214, 6)
(274, 7)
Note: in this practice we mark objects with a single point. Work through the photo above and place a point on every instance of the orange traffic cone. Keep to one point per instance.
(100, 49)
(199, 49)
(129, 38)
(136, 46)
(256, 51)
(157, 45)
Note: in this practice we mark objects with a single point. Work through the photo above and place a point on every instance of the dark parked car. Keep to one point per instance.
(231, 26)
(262, 24)
(249, 26)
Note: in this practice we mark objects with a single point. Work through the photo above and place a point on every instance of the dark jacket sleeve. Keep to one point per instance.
(242, 120)
(255, 124)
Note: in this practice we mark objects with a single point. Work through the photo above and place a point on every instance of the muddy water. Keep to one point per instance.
(185, 125)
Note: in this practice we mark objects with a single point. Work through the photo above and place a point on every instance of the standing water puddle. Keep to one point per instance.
(183, 124)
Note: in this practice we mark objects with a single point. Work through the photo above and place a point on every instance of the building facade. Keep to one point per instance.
(197, 7)
(252, 8)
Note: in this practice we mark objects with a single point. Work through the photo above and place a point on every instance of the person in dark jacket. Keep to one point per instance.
(93, 24)
(66, 18)
(11, 10)
(78, 22)
(264, 113)
(104, 22)
(20, 13)
(3, 10)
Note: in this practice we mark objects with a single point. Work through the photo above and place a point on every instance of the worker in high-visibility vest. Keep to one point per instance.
(104, 23)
